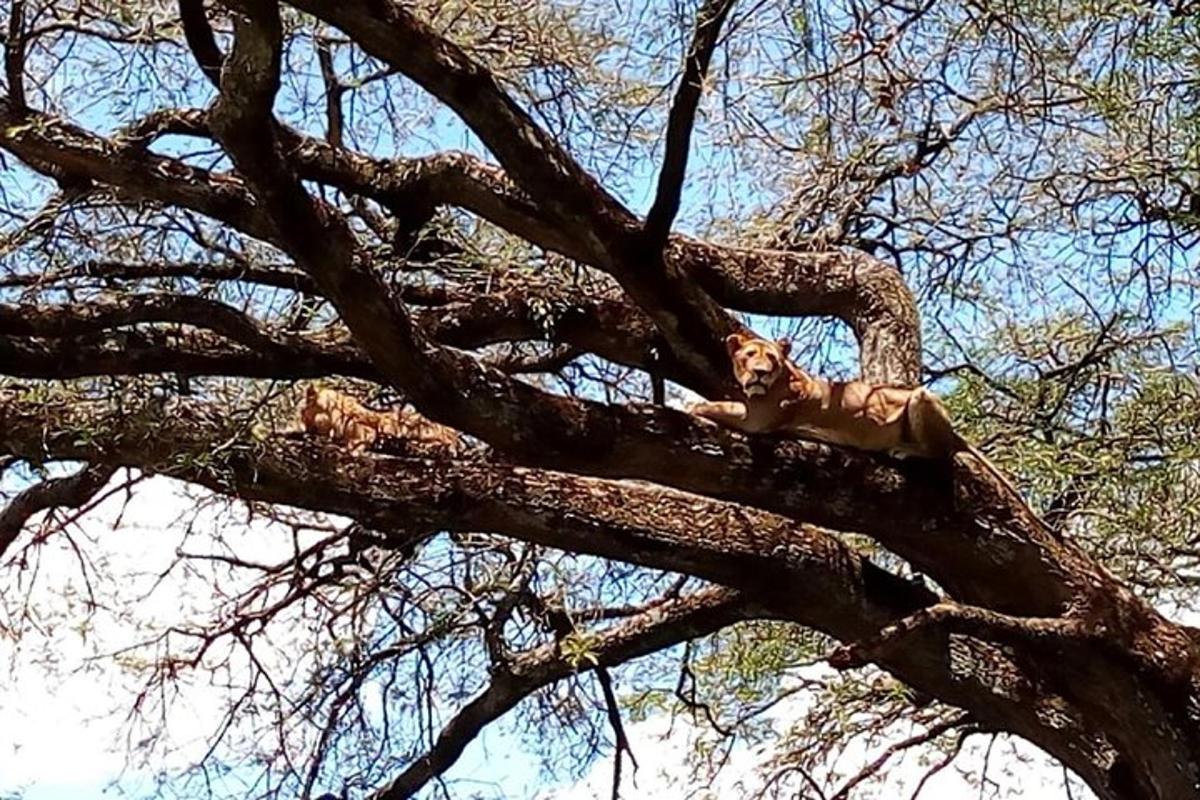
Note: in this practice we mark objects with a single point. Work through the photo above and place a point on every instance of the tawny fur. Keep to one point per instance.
(404, 423)
(782, 398)
(330, 413)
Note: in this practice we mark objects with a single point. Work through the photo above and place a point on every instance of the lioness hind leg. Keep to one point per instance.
(930, 431)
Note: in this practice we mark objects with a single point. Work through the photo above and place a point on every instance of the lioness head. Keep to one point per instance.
(757, 363)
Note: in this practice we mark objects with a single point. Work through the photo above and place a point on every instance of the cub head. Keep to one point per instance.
(757, 363)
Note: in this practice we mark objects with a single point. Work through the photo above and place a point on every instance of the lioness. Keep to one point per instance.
(781, 397)
(404, 423)
(338, 416)
(327, 412)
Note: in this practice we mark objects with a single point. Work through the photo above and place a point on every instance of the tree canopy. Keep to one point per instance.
(536, 222)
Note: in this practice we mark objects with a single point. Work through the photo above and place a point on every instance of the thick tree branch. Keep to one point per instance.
(792, 571)
(608, 328)
(644, 524)
(681, 120)
(98, 315)
(868, 294)
(281, 277)
(69, 492)
(693, 325)
(200, 39)
(45, 142)
(184, 352)
(14, 53)
(917, 516)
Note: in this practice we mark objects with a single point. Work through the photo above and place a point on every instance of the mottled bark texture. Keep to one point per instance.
(1031, 636)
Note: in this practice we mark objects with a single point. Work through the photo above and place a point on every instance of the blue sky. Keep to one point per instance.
(498, 762)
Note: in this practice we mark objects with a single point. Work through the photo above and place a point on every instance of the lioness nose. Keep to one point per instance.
(761, 369)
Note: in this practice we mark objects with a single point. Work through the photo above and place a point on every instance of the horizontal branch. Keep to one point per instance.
(101, 314)
(611, 329)
(155, 351)
(129, 170)
(866, 293)
(281, 277)
(651, 526)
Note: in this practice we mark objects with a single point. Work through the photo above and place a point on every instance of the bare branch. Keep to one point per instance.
(675, 621)
(333, 94)
(924, 737)
(200, 39)
(69, 492)
(621, 745)
(14, 54)
(681, 120)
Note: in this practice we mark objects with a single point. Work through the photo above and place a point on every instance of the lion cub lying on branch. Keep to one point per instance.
(327, 412)
(781, 397)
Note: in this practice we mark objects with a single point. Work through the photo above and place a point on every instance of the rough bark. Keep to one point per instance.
(1029, 635)
(1050, 678)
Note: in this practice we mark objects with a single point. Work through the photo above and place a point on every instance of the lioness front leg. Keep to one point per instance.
(730, 413)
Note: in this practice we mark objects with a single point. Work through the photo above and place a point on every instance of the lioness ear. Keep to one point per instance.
(734, 341)
(784, 346)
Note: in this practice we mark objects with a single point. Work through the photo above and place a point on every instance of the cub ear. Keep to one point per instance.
(734, 342)
(784, 346)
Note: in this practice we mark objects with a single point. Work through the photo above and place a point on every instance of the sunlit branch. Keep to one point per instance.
(682, 119)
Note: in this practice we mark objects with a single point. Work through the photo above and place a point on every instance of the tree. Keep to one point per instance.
(177, 255)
